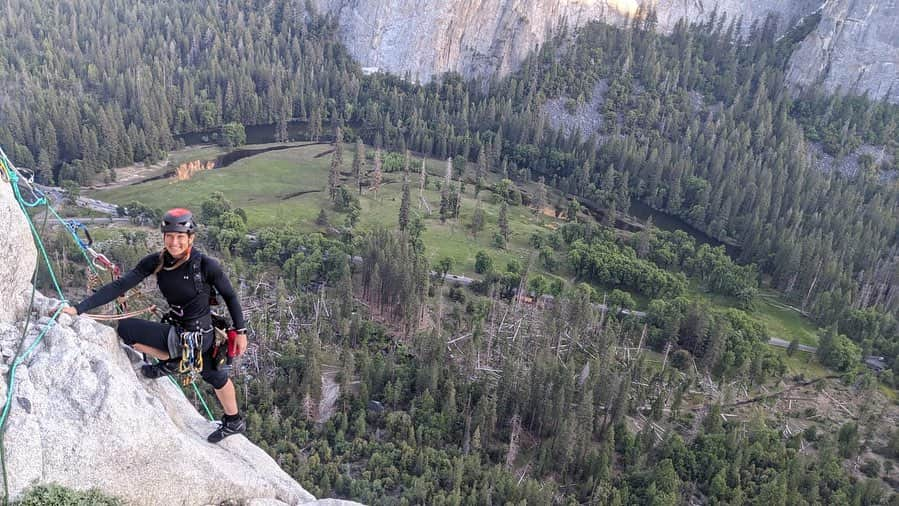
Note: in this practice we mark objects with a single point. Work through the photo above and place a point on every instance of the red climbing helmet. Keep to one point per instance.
(178, 220)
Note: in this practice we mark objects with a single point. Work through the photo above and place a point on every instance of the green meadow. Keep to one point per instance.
(290, 187)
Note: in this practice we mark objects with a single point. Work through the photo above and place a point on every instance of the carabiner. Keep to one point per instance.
(74, 226)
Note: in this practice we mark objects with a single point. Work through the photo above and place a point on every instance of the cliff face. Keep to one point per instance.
(424, 38)
(18, 253)
(476, 37)
(855, 48)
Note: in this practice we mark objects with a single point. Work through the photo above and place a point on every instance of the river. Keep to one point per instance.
(671, 223)
(256, 134)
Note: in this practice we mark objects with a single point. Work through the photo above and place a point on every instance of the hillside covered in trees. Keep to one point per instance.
(698, 124)
(554, 409)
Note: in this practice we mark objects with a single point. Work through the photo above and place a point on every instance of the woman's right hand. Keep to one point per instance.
(70, 310)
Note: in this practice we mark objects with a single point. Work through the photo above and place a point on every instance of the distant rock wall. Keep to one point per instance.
(475, 37)
(854, 48)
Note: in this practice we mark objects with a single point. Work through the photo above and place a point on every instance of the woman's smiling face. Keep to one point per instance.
(177, 243)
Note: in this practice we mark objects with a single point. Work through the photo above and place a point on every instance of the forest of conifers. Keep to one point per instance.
(136, 75)
(698, 124)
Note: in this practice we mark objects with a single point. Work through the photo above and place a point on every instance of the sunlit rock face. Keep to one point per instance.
(854, 48)
(424, 38)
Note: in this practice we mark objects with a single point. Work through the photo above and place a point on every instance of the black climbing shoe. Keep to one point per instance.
(237, 425)
(158, 370)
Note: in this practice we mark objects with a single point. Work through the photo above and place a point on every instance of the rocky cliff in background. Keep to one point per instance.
(82, 417)
(854, 47)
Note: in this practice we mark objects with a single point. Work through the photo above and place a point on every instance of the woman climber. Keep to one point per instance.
(187, 280)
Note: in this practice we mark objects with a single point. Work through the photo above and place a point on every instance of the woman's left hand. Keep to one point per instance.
(241, 344)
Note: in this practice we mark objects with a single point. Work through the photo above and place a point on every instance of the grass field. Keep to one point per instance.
(281, 173)
(784, 322)
(208, 152)
(289, 187)
(802, 363)
(780, 321)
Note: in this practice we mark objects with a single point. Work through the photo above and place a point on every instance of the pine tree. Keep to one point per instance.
(644, 239)
(404, 204)
(539, 200)
(477, 220)
(376, 172)
(449, 173)
(447, 202)
(574, 207)
(315, 123)
(281, 134)
(445, 206)
(480, 172)
(322, 219)
(336, 163)
(422, 179)
(503, 221)
(359, 159)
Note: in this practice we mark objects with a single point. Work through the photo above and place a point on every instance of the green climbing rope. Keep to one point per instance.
(12, 374)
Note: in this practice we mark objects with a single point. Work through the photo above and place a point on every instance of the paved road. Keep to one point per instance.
(780, 343)
(100, 221)
(456, 278)
(57, 194)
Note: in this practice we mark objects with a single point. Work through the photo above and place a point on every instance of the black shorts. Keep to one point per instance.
(164, 337)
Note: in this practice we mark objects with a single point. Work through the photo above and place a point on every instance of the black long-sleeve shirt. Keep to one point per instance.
(178, 288)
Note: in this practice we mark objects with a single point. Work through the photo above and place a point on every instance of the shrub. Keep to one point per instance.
(57, 495)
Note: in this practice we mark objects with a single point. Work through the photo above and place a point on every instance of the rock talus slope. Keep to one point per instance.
(81, 416)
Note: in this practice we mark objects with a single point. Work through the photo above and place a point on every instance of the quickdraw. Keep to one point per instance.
(191, 357)
(99, 263)
(98, 260)
(74, 226)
